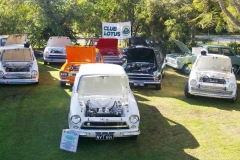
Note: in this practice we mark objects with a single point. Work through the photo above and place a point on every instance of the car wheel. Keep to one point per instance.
(158, 86)
(186, 69)
(187, 94)
(45, 63)
(235, 98)
(133, 137)
(62, 84)
(235, 68)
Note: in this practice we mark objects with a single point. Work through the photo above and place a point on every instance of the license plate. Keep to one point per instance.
(104, 136)
(138, 84)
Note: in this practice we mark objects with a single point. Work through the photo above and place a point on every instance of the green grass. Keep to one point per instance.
(172, 126)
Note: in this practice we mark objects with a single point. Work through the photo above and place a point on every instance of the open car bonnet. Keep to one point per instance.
(141, 55)
(105, 43)
(16, 39)
(81, 54)
(108, 46)
(17, 55)
(58, 41)
(134, 41)
(182, 46)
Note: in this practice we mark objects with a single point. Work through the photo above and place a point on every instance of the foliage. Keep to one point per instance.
(235, 46)
(165, 20)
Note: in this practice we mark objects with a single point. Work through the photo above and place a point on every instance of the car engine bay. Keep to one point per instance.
(115, 110)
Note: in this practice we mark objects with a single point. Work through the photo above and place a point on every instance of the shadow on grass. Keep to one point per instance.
(160, 138)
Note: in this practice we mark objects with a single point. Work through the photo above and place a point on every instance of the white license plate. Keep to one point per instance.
(138, 84)
(104, 136)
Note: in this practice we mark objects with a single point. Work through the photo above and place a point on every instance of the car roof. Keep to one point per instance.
(101, 68)
(212, 45)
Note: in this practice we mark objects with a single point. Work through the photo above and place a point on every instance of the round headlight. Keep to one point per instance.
(231, 86)
(46, 54)
(1, 74)
(75, 119)
(63, 74)
(134, 119)
(124, 59)
(193, 82)
(34, 74)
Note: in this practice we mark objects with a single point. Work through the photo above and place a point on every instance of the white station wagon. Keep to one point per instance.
(212, 76)
(18, 64)
(102, 104)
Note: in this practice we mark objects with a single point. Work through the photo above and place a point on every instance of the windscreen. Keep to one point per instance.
(14, 55)
(213, 63)
(103, 85)
(140, 55)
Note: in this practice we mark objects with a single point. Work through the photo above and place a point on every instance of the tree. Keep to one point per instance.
(234, 6)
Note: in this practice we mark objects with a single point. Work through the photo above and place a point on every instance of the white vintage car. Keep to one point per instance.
(18, 64)
(102, 104)
(212, 76)
(55, 50)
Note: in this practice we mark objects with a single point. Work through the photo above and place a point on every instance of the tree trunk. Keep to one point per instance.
(228, 14)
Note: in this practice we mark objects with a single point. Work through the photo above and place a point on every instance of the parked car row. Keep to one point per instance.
(183, 60)
(102, 104)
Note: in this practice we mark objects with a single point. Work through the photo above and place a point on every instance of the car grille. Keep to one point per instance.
(212, 89)
(57, 56)
(213, 80)
(140, 77)
(18, 76)
(104, 125)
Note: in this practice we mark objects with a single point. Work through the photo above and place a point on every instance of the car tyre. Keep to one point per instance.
(45, 63)
(133, 137)
(187, 94)
(62, 84)
(158, 86)
(235, 98)
(186, 69)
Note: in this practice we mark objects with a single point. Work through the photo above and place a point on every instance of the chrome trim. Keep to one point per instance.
(131, 133)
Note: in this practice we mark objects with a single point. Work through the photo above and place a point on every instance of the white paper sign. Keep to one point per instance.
(116, 30)
(69, 140)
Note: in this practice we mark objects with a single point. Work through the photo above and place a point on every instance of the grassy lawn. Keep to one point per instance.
(172, 127)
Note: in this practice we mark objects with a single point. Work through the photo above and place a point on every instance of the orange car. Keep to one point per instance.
(77, 55)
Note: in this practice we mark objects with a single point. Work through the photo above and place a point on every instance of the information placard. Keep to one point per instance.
(69, 140)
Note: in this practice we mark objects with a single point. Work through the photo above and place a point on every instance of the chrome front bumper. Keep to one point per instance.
(18, 81)
(117, 133)
(55, 60)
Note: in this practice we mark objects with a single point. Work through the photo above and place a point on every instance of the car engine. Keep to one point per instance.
(207, 79)
(146, 68)
(116, 110)
(74, 68)
(12, 67)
